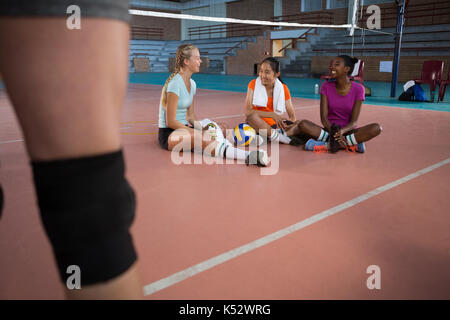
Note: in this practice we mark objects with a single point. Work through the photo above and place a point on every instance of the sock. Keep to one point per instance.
(226, 150)
(204, 122)
(280, 137)
(274, 135)
(323, 136)
(236, 153)
(351, 140)
(219, 132)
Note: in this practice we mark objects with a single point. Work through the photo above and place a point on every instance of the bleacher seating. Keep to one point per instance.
(416, 40)
(159, 51)
(432, 40)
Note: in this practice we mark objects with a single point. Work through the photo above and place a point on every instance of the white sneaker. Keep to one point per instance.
(282, 137)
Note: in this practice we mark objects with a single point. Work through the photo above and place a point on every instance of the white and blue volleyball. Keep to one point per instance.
(244, 134)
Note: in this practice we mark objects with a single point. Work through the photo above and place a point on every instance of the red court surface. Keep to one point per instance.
(191, 218)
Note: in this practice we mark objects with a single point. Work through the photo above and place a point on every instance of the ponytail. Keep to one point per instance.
(183, 52)
(349, 62)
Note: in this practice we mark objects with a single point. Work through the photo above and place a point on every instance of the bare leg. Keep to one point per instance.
(257, 123)
(305, 127)
(67, 88)
(291, 129)
(367, 132)
(186, 138)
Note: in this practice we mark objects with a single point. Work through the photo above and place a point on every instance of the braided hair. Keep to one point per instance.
(183, 52)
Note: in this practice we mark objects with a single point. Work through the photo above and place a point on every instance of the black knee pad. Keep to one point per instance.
(1, 201)
(87, 207)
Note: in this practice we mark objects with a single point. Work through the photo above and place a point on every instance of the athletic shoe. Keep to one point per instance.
(360, 148)
(282, 137)
(334, 145)
(316, 146)
(258, 157)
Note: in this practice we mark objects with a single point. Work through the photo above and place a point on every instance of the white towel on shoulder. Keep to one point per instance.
(260, 97)
(356, 69)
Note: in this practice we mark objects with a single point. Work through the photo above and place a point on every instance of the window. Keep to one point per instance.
(336, 4)
(369, 2)
(311, 5)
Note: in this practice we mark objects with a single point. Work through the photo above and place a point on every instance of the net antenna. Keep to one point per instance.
(354, 17)
(363, 31)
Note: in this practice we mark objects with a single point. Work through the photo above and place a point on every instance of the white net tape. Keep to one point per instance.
(232, 20)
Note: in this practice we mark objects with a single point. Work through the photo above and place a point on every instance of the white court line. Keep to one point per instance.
(242, 114)
(155, 124)
(217, 260)
(217, 93)
(128, 99)
(10, 141)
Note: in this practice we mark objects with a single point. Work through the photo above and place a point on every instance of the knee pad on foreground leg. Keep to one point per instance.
(1, 201)
(87, 207)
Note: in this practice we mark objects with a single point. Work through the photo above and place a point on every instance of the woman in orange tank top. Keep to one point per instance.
(260, 117)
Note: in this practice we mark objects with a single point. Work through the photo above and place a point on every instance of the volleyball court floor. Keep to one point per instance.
(310, 231)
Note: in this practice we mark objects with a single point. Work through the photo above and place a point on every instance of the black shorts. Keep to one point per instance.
(163, 137)
(113, 9)
(286, 122)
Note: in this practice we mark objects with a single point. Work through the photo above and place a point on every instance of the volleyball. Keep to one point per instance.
(244, 134)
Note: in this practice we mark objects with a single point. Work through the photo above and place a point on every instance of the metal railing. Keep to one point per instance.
(363, 50)
(229, 30)
(146, 33)
(304, 36)
(238, 45)
(316, 17)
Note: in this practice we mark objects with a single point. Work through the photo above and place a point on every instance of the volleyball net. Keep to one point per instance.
(282, 28)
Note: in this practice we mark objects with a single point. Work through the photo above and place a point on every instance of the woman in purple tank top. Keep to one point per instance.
(340, 105)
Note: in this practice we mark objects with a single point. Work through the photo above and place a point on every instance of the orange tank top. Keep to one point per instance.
(269, 107)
